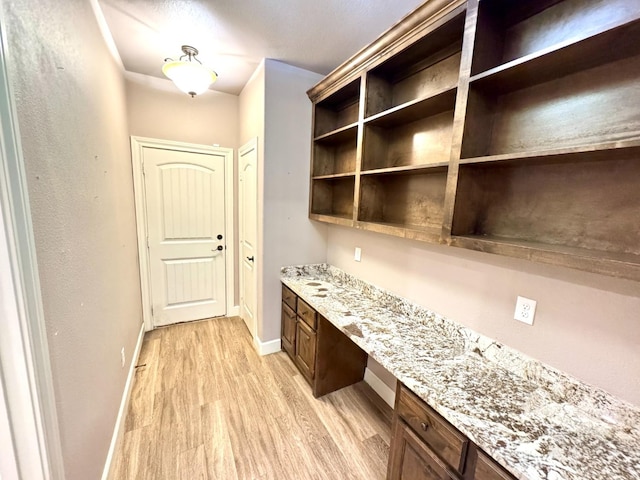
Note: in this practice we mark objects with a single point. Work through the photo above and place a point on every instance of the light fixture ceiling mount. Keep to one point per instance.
(188, 73)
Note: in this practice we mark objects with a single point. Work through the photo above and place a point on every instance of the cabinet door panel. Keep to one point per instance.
(488, 469)
(412, 459)
(288, 330)
(305, 349)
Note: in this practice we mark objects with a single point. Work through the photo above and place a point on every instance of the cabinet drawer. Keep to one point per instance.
(289, 297)
(447, 442)
(288, 329)
(306, 313)
(488, 469)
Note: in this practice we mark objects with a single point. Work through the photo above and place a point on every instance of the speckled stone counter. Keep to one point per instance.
(537, 422)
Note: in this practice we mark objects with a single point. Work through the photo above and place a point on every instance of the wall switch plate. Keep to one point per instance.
(358, 255)
(122, 357)
(525, 310)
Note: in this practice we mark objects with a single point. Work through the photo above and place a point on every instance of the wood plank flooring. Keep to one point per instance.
(205, 406)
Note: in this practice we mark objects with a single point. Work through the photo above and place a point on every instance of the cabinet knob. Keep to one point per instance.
(424, 426)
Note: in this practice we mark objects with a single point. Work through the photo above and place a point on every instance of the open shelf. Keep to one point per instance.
(422, 233)
(338, 110)
(414, 110)
(601, 151)
(335, 153)
(422, 70)
(405, 200)
(333, 175)
(590, 107)
(333, 197)
(338, 135)
(562, 59)
(562, 205)
(422, 142)
(406, 169)
(333, 219)
(508, 30)
(625, 265)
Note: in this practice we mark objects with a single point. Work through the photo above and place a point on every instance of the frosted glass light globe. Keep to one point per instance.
(191, 77)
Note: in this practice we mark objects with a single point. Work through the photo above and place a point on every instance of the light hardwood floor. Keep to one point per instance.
(204, 405)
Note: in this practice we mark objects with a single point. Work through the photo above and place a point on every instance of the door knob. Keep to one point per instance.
(220, 248)
(250, 258)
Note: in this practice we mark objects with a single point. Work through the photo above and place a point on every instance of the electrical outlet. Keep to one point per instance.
(358, 254)
(525, 310)
(122, 357)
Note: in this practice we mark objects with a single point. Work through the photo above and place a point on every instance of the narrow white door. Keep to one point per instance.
(248, 208)
(186, 234)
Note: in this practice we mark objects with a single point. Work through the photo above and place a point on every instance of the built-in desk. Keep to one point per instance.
(535, 421)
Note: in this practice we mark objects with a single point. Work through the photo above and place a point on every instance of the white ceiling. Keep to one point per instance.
(234, 35)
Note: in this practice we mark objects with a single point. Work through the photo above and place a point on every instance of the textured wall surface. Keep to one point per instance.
(585, 324)
(70, 97)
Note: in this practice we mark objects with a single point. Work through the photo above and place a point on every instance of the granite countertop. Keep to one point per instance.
(537, 422)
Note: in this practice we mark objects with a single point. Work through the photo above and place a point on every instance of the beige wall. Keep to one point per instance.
(70, 98)
(157, 109)
(585, 324)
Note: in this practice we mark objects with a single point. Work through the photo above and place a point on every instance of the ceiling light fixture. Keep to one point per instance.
(189, 75)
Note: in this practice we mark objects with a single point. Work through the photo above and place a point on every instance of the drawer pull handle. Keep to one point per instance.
(424, 426)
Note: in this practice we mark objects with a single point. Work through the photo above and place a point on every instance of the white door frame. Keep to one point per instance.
(32, 447)
(137, 144)
(250, 145)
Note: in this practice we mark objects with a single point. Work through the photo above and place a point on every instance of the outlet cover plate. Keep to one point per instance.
(358, 254)
(525, 310)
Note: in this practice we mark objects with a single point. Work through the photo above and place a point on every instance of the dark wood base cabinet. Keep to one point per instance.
(326, 357)
(424, 446)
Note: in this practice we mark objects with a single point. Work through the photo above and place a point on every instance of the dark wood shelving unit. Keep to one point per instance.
(505, 127)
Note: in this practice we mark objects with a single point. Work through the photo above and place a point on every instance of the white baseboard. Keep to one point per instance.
(385, 392)
(267, 348)
(234, 311)
(118, 430)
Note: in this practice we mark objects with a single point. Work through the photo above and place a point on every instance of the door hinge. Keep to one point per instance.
(152, 311)
(144, 172)
(147, 241)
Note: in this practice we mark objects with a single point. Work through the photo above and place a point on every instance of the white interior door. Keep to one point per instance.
(248, 213)
(186, 234)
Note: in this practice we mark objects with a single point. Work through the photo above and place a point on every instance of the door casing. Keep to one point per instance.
(137, 146)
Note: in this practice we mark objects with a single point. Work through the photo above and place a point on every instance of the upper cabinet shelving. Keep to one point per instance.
(500, 126)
